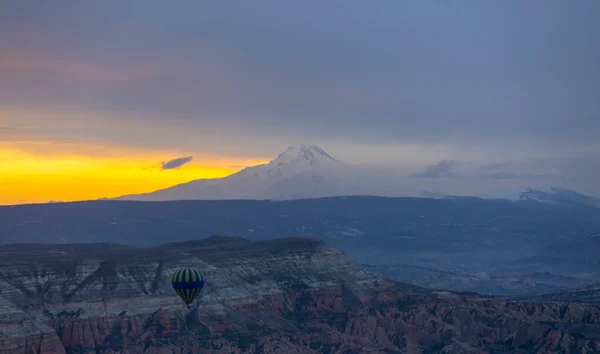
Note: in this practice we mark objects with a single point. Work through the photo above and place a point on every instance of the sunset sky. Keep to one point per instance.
(95, 96)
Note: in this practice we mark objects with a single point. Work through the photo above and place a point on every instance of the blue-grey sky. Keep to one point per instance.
(387, 82)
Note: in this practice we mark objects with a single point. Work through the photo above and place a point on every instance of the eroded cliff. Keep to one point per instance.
(278, 296)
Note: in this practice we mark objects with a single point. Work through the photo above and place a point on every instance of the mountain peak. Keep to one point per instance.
(304, 153)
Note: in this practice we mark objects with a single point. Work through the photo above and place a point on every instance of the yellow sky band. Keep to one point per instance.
(31, 173)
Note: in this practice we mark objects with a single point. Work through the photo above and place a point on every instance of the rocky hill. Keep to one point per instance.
(288, 295)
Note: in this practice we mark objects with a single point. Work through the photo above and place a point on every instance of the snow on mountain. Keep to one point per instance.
(560, 196)
(551, 195)
(304, 171)
(296, 160)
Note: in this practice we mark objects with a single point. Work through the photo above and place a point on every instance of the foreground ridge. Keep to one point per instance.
(284, 295)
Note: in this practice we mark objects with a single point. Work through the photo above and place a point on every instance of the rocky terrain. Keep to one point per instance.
(288, 295)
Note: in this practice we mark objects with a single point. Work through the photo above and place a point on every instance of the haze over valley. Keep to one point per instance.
(460, 243)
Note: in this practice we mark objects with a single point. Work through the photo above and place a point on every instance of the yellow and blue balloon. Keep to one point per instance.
(188, 283)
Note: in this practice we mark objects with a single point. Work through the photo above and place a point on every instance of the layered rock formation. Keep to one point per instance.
(279, 296)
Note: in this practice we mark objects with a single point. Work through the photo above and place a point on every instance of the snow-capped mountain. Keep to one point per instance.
(304, 171)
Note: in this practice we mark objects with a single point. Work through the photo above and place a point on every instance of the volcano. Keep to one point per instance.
(302, 171)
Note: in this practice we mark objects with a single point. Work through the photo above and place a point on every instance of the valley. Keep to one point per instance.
(463, 244)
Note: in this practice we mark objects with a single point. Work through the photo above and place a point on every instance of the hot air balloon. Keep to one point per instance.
(188, 283)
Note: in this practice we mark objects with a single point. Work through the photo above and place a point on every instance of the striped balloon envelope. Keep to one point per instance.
(188, 283)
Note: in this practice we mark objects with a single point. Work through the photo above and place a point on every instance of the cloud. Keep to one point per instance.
(494, 166)
(443, 168)
(15, 127)
(303, 80)
(468, 86)
(176, 163)
(50, 66)
(511, 175)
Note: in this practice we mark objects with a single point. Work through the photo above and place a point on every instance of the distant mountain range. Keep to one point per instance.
(307, 171)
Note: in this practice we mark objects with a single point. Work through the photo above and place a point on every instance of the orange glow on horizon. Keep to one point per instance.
(38, 172)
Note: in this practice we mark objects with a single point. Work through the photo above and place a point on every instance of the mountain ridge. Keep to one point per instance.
(559, 196)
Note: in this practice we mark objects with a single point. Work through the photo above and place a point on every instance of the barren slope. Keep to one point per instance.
(286, 295)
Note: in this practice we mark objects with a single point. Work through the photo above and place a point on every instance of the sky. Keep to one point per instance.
(96, 98)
